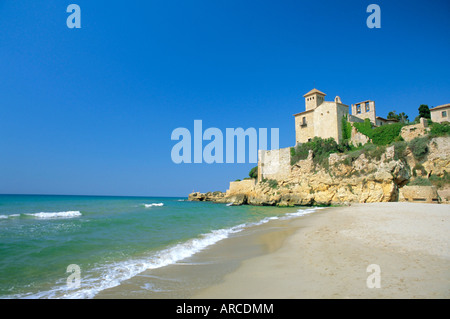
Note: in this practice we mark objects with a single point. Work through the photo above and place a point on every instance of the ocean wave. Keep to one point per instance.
(68, 214)
(9, 216)
(153, 204)
(302, 212)
(112, 274)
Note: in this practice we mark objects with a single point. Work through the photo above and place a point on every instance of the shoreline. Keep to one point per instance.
(208, 266)
(330, 255)
(321, 255)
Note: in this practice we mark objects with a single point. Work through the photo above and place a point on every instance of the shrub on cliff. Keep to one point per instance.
(346, 129)
(420, 181)
(271, 182)
(364, 128)
(253, 172)
(386, 134)
(381, 135)
(419, 147)
(322, 148)
(442, 181)
(439, 129)
(400, 149)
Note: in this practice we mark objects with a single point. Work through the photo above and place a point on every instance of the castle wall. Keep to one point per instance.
(274, 164)
(304, 132)
(328, 120)
(242, 187)
(354, 119)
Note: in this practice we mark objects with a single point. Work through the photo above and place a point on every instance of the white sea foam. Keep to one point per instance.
(153, 204)
(111, 275)
(302, 212)
(9, 216)
(68, 214)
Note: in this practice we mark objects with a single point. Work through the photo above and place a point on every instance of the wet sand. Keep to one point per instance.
(329, 255)
(190, 276)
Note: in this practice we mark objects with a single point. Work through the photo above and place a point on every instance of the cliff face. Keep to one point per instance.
(346, 179)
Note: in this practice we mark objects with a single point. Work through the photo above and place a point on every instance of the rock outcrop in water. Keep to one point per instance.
(347, 179)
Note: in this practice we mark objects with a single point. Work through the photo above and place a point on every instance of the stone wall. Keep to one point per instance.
(410, 132)
(354, 119)
(424, 194)
(370, 114)
(328, 120)
(242, 187)
(274, 164)
(358, 138)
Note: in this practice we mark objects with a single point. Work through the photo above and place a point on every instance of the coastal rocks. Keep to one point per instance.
(209, 196)
(346, 179)
(438, 159)
(238, 199)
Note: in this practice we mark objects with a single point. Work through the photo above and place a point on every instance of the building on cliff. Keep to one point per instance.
(321, 118)
(440, 113)
(366, 110)
(324, 118)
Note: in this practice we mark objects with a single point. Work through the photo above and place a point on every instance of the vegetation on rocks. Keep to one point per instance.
(381, 135)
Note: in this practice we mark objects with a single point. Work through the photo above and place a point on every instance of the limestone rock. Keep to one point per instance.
(344, 181)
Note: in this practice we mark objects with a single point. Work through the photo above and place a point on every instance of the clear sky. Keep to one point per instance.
(91, 110)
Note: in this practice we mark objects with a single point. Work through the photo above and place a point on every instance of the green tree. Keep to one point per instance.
(424, 111)
(253, 172)
(401, 117)
(393, 116)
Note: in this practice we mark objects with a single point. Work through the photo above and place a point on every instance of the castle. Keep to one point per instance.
(324, 118)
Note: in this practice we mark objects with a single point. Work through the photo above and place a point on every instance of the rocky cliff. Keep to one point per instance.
(362, 177)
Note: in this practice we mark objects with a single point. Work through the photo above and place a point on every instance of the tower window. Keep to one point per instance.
(358, 108)
(367, 107)
(303, 123)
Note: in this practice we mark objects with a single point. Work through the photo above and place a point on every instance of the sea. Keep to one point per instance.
(58, 246)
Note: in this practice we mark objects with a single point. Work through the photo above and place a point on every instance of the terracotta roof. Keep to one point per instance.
(382, 118)
(440, 107)
(304, 112)
(314, 91)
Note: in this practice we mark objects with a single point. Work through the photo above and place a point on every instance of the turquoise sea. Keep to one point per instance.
(110, 239)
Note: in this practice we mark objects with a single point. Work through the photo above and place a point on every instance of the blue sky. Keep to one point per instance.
(91, 110)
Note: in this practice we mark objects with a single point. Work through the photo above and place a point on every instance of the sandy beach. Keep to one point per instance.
(329, 254)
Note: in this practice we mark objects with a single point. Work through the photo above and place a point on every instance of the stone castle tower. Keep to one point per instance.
(321, 118)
